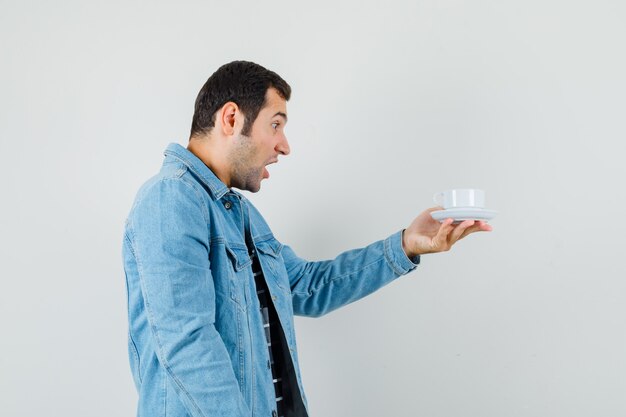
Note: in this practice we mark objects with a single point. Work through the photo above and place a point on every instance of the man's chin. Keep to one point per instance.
(253, 188)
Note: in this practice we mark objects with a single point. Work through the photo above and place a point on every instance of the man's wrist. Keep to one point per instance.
(405, 247)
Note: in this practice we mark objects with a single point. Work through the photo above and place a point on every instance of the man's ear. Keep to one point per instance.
(227, 117)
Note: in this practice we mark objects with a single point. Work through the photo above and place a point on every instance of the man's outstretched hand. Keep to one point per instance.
(427, 235)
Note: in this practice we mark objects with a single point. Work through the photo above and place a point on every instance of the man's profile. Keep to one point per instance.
(211, 291)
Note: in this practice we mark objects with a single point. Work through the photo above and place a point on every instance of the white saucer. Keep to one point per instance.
(464, 213)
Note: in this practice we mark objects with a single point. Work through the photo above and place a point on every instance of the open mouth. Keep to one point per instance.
(266, 173)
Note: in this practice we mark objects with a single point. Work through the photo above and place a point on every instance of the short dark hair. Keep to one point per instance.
(242, 82)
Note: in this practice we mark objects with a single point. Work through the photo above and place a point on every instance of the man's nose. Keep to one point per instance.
(283, 146)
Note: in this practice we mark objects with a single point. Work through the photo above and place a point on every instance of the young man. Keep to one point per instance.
(211, 292)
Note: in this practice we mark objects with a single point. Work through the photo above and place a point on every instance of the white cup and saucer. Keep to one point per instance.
(462, 204)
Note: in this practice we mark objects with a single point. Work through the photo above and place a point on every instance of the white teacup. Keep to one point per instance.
(461, 197)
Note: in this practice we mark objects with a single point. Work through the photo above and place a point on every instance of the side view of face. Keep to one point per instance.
(250, 155)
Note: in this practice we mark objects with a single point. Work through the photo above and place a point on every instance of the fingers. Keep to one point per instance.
(479, 226)
(459, 230)
(449, 233)
(484, 227)
(440, 241)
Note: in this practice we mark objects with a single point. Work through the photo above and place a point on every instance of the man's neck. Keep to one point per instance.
(205, 150)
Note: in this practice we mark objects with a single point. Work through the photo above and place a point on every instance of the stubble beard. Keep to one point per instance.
(244, 175)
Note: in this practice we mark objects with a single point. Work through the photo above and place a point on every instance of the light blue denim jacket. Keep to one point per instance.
(196, 340)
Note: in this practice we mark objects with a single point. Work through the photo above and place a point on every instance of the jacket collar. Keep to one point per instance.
(203, 172)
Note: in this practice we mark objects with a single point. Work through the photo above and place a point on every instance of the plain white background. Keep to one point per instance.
(392, 101)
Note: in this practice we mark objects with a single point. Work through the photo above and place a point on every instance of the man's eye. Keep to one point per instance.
(275, 125)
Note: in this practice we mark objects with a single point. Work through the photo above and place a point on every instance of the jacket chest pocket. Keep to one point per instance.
(237, 272)
(272, 263)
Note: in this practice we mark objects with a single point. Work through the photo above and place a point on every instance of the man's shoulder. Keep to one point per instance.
(170, 174)
(172, 183)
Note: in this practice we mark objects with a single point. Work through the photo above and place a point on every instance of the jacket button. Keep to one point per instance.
(228, 205)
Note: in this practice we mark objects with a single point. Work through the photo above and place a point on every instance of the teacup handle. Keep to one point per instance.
(438, 199)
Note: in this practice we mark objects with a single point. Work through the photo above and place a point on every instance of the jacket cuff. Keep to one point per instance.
(396, 257)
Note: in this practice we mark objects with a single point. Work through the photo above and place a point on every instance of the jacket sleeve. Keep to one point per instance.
(171, 244)
(320, 287)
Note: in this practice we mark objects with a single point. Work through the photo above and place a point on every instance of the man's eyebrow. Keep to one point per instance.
(280, 113)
